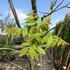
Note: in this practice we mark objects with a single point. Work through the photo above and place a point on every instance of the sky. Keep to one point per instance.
(23, 7)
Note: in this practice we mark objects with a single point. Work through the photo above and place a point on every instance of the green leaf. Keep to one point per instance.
(59, 41)
(47, 20)
(18, 32)
(39, 49)
(32, 18)
(49, 42)
(36, 48)
(24, 51)
(33, 54)
(26, 44)
(62, 42)
(45, 39)
(22, 54)
(14, 32)
(35, 36)
(36, 17)
(44, 27)
(25, 31)
(11, 32)
(39, 22)
(55, 41)
(31, 13)
(30, 23)
(29, 18)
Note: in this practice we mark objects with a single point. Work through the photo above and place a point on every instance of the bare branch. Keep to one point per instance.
(59, 4)
(52, 29)
(64, 6)
(42, 12)
(55, 3)
(52, 6)
(8, 49)
(7, 17)
(47, 14)
(60, 30)
(13, 64)
(68, 7)
(55, 8)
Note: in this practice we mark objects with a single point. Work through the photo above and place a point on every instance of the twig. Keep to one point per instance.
(14, 64)
(59, 4)
(52, 29)
(8, 60)
(66, 5)
(9, 49)
(52, 6)
(68, 57)
(56, 9)
(68, 67)
(55, 3)
(60, 30)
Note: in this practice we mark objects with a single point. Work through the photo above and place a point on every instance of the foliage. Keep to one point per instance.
(5, 54)
(34, 34)
(63, 51)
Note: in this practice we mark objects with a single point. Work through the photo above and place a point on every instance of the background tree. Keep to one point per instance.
(63, 52)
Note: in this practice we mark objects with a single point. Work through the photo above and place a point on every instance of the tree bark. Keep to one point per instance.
(14, 13)
(34, 8)
(32, 64)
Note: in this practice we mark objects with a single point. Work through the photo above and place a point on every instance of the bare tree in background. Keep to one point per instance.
(55, 8)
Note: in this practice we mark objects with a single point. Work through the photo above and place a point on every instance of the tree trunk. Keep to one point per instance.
(32, 64)
(34, 8)
(14, 13)
(65, 56)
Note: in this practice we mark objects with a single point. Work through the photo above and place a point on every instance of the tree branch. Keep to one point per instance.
(55, 9)
(9, 49)
(66, 5)
(52, 29)
(55, 3)
(13, 64)
(59, 4)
